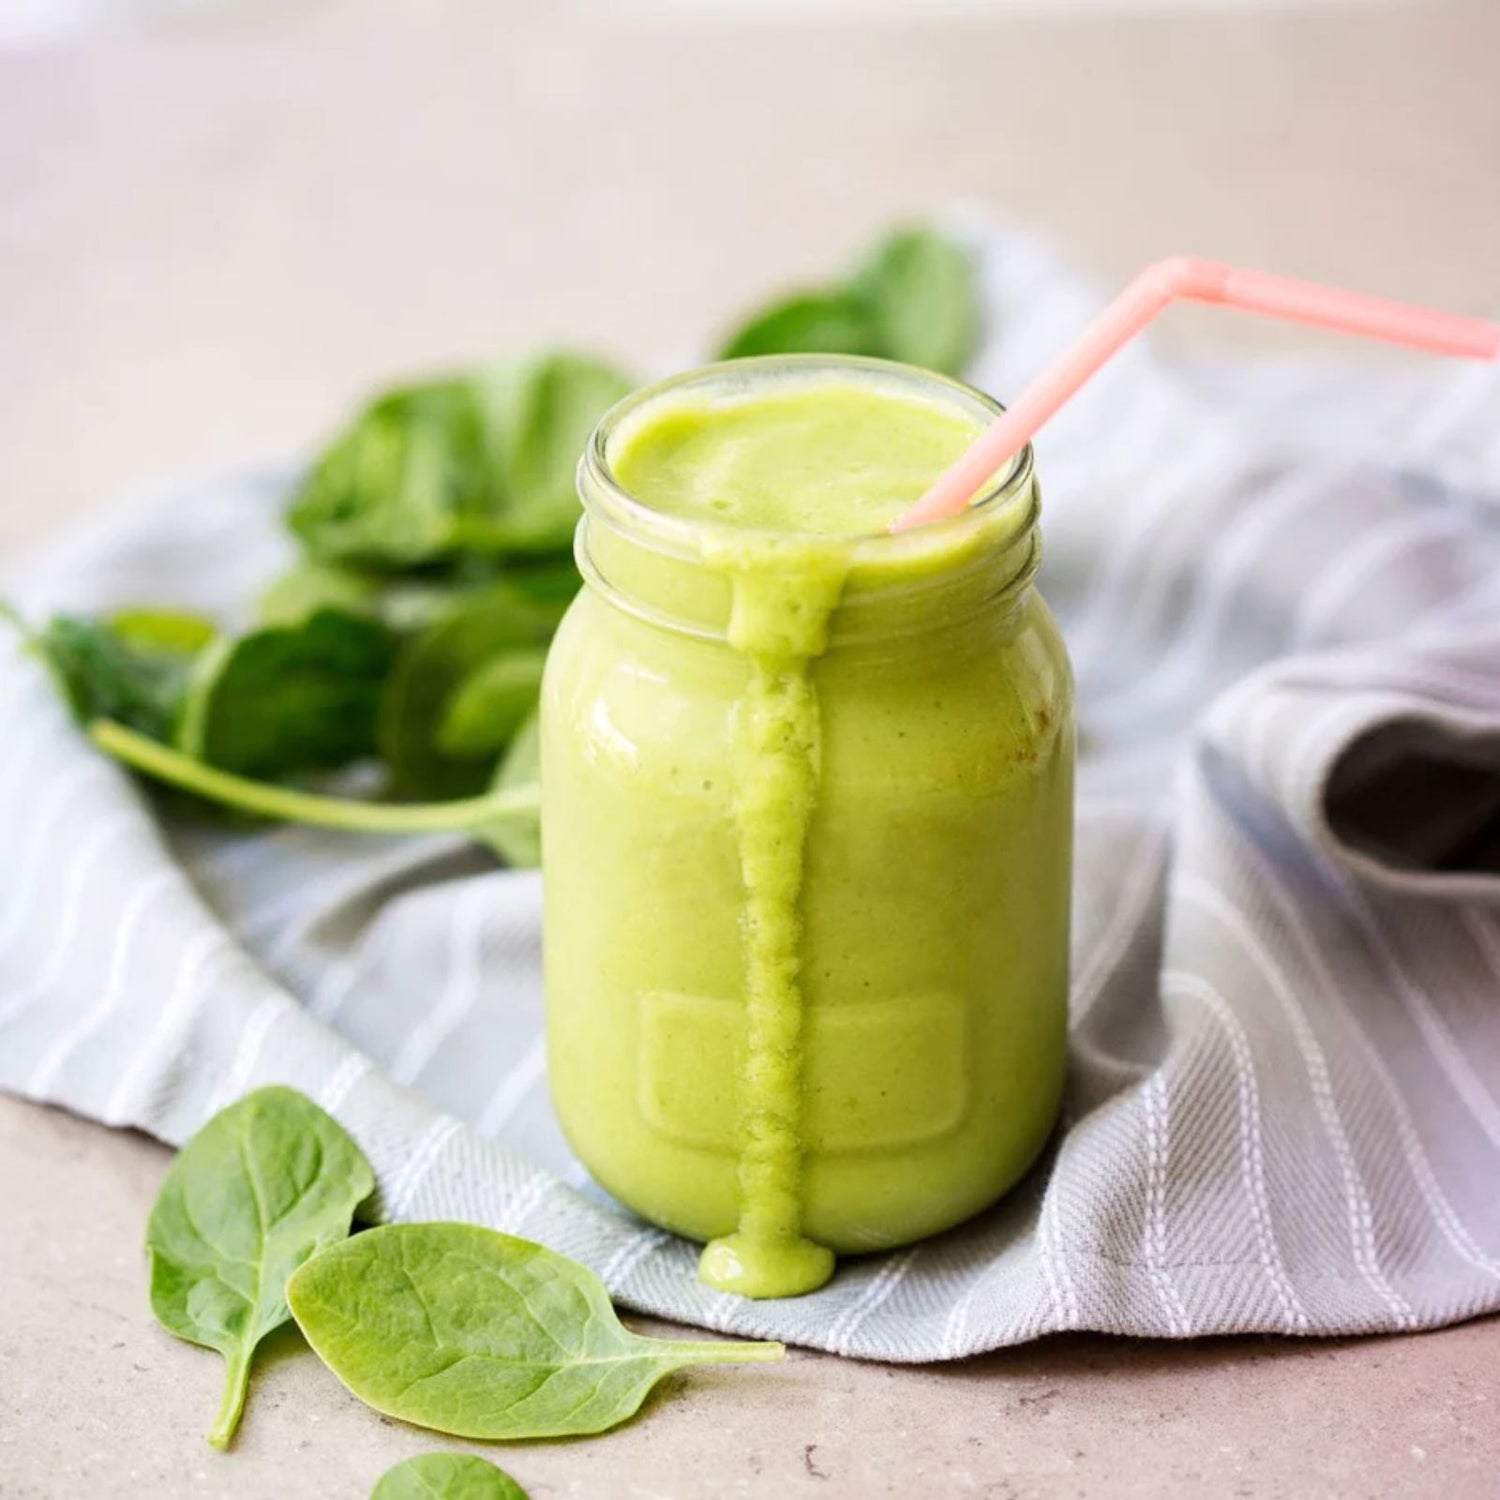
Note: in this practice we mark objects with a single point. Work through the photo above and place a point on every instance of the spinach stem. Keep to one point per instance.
(236, 1382)
(712, 1351)
(163, 763)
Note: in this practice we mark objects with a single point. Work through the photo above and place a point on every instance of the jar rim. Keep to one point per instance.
(684, 536)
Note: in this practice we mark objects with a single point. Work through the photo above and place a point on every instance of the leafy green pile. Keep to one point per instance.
(448, 1326)
(436, 536)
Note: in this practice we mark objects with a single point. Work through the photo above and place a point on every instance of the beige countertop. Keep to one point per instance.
(95, 1400)
(214, 238)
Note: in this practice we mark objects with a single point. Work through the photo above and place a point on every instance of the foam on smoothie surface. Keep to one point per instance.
(798, 469)
(825, 458)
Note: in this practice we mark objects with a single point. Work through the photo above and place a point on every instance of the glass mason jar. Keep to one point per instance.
(931, 930)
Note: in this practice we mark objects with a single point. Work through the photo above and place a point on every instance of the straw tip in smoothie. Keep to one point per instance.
(751, 1267)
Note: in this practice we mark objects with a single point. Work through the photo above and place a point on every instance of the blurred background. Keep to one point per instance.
(222, 222)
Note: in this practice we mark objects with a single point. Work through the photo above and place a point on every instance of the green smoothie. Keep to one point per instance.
(807, 793)
(833, 458)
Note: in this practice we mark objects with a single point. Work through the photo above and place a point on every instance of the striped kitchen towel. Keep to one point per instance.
(1281, 584)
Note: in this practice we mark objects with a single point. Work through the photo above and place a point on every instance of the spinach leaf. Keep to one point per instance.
(174, 632)
(482, 1335)
(831, 322)
(281, 699)
(410, 600)
(134, 669)
(447, 1476)
(262, 1185)
(538, 416)
(462, 468)
(311, 586)
(919, 290)
(517, 840)
(911, 298)
(289, 698)
(492, 703)
(432, 669)
(547, 582)
(386, 494)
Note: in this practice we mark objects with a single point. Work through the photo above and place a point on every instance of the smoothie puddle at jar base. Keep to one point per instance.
(780, 465)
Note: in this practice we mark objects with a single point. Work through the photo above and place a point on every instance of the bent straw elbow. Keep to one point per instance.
(1188, 278)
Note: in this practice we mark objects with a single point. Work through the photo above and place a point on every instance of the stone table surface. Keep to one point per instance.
(215, 236)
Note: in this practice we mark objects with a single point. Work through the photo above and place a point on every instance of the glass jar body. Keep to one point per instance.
(934, 907)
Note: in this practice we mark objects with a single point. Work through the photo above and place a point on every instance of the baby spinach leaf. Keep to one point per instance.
(919, 290)
(518, 840)
(911, 299)
(831, 322)
(176, 632)
(478, 1334)
(477, 467)
(134, 669)
(289, 698)
(279, 700)
(262, 1185)
(548, 582)
(447, 1476)
(492, 703)
(411, 600)
(387, 493)
(311, 586)
(432, 668)
(538, 416)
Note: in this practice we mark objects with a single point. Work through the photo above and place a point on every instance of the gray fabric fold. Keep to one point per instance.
(1281, 586)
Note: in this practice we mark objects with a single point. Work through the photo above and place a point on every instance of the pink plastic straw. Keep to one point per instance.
(1183, 278)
